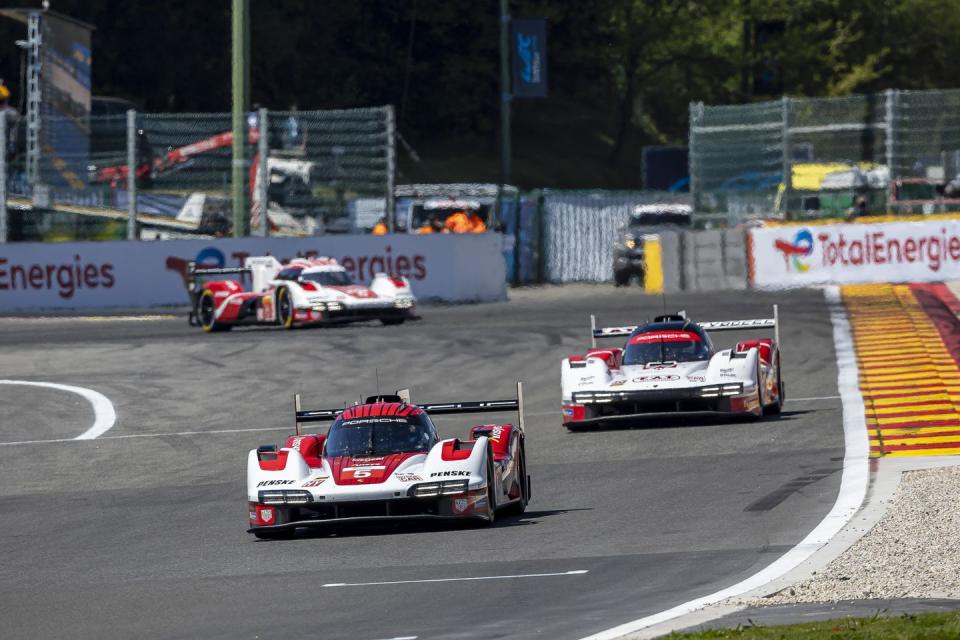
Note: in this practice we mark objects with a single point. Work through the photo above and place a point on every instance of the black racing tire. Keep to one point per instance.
(491, 515)
(206, 313)
(518, 507)
(275, 534)
(392, 321)
(774, 408)
(285, 311)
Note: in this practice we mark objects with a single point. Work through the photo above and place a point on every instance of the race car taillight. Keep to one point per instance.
(451, 487)
(285, 497)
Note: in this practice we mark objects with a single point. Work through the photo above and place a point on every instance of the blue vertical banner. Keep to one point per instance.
(528, 50)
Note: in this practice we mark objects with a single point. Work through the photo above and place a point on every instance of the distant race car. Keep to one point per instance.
(670, 365)
(298, 293)
(383, 460)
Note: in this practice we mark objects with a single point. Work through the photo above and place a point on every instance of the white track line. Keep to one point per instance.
(853, 485)
(104, 414)
(575, 572)
(146, 435)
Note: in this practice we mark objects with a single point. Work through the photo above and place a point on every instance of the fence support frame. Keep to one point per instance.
(4, 221)
(131, 174)
(263, 170)
(787, 168)
(390, 211)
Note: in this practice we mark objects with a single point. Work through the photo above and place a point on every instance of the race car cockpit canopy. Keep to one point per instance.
(357, 432)
(680, 341)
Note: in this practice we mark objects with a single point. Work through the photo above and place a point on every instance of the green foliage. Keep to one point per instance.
(621, 72)
(923, 626)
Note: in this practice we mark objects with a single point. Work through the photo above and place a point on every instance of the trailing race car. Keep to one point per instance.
(383, 460)
(670, 365)
(300, 292)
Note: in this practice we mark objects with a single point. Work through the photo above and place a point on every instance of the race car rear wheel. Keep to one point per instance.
(284, 308)
(207, 313)
(390, 321)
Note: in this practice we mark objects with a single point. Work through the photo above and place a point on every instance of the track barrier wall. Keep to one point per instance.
(797, 256)
(79, 275)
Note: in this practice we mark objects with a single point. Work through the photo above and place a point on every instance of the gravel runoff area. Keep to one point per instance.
(912, 552)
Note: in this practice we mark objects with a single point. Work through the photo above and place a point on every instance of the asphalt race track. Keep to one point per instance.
(141, 532)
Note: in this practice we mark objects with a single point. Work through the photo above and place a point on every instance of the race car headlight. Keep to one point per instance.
(426, 490)
(451, 487)
(334, 306)
(403, 303)
(718, 390)
(285, 497)
(271, 497)
(319, 306)
(731, 389)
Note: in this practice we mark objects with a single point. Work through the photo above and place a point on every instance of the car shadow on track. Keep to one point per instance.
(344, 530)
(683, 421)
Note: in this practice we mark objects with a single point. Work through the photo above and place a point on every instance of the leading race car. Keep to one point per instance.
(298, 293)
(383, 460)
(671, 365)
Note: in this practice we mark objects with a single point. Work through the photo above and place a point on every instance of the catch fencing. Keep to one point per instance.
(168, 175)
(580, 228)
(812, 157)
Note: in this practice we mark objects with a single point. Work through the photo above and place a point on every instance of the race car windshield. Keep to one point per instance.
(379, 436)
(655, 350)
(328, 278)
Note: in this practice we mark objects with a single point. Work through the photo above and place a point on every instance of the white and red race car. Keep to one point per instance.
(383, 460)
(297, 293)
(671, 365)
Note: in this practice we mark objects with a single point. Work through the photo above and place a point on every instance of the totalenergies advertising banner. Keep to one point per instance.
(83, 275)
(791, 256)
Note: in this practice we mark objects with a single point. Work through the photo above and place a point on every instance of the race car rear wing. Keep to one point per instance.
(433, 409)
(722, 325)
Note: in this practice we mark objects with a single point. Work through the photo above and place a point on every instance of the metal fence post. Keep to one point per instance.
(787, 169)
(263, 171)
(391, 212)
(3, 176)
(891, 96)
(696, 116)
(131, 174)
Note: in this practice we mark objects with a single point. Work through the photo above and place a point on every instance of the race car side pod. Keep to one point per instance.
(477, 406)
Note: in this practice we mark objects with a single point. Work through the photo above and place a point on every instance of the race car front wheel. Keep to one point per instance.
(523, 480)
(207, 313)
(284, 308)
(491, 515)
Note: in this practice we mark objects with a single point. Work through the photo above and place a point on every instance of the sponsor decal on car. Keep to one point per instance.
(697, 378)
(618, 383)
(495, 433)
(660, 365)
(445, 474)
(567, 411)
(586, 379)
(266, 515)
(408, 477)
(314, 482)
(656, 378)
(272, 483)
(460, 505)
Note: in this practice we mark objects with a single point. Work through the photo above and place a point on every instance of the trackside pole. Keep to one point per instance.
(776, 324)
(296, 411)
(593, 328)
